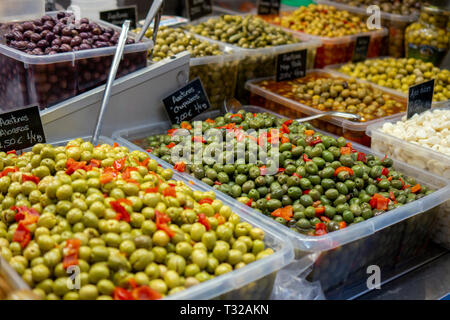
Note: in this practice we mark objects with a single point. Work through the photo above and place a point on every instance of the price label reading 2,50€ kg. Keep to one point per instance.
(21, 129)
(187, 102)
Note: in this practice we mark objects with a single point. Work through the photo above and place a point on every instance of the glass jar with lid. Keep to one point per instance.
(428, 38)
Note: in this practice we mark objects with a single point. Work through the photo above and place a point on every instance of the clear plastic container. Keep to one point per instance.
(396, 24)
(257, 63)
(391, 241)
(46, 80)
(351, 130)
(420, 157)
(334, 69)
(336, 50)
(252, 282)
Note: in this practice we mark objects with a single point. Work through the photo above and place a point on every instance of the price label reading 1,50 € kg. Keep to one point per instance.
(21, 129)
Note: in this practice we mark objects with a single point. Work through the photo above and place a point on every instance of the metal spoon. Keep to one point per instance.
(111, 77)
(231, 105)
(336, 114)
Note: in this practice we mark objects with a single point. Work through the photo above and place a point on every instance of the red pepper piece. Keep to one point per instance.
(26, 177)
(284, 128)
(145, 293)
(316, 141)
(319, 211)
(342, 225)
(73, 166)
(204, 221)
(206, 200)
(297, 175)
(12, 152)
(305, 157)
(385, 171)
(180, 166)
(284, 139)
(122, 213)
(171, 145)
(162, 221)
(169, 192)
(306, 191)
(119, 164)
(249, 202)
(362, 157)
(8, 170)
(170, 132)
(122, 294)
(95, 163)
(286, 213)
(126, 174)
(151, 190)
(281, 169)
(379, 202)
(325, 219)
(217, 183)
(416, 188)
(346, 150)
(340, 169)
(288, 122)
(71, 251)
(22, 235)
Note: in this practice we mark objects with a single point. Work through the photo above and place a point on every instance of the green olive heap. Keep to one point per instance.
(322, 184)
(248, 32)
(400, 74)
(116, 216)
(171, 41)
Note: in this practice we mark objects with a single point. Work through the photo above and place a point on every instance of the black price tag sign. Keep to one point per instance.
(420, 98)
(269, 6)
(198, 8)
(118, 16)
(21, 129)
(361, 48)
(291, 65)
(187, 102)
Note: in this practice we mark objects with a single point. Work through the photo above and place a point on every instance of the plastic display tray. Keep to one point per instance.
(420, 157)
(48, 79)
(334, 69)
(261, 62)
(336, 50)
(389, 241)
(252, 282)
(396, 24)
(351, 130)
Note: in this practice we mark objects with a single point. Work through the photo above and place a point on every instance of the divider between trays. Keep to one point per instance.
(282, 256)
(330, 240)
